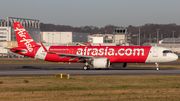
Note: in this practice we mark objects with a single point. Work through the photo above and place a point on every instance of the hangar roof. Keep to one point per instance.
(171, 40)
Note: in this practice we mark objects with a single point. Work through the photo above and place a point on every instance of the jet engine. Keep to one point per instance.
(118, 65)
(101, 63)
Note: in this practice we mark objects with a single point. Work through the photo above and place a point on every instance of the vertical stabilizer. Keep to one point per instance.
(23, 38)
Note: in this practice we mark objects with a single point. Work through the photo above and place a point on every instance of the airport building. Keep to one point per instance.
(60, 38)
(120, 37)
(7, 33)
(4, 36)
(103, 39)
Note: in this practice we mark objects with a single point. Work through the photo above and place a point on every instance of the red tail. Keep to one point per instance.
(23, 38)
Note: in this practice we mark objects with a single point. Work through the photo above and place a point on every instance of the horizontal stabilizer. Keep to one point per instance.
(17, 50)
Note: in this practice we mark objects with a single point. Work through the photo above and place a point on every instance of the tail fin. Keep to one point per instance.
(23, 38)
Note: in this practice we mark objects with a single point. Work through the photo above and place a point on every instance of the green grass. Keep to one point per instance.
(88, 88)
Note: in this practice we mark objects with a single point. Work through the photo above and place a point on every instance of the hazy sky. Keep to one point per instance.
(94, 12)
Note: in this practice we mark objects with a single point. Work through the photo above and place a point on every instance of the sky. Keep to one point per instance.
(98, 13)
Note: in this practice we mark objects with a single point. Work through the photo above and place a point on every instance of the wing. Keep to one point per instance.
(82, 58)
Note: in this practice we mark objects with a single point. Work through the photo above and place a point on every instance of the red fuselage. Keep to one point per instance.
(130, 54)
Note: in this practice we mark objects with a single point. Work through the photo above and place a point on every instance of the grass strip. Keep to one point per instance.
(92, 88)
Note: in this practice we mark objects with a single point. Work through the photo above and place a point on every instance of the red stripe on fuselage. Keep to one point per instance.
(130, 54)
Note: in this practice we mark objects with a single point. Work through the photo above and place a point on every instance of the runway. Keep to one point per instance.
(90, 72)
(76, 69)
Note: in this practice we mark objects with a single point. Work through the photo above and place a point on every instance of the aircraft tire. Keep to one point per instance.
(86, 67)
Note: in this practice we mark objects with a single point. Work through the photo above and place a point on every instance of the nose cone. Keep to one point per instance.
(173, 57)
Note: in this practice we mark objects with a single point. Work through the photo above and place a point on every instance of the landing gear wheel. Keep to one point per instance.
(157, 66)
(86, 67)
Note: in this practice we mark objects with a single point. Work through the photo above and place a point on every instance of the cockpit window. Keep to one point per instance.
(167, 51)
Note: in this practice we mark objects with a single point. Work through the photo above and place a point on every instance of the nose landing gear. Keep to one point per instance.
(157, 66)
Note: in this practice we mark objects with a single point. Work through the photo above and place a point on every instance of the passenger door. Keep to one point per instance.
(71, 51)
(155, 52)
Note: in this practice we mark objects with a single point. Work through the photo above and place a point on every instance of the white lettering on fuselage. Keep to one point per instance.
(110, 51)
(21, 33)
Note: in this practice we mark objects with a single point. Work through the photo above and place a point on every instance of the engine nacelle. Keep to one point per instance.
(101, 63)
(118, 65)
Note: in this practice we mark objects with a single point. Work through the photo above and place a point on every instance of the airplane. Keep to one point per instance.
(97, 56)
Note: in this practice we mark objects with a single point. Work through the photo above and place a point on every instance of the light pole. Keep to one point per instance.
(139, 36)
(149, 38)
(48, 38)
(125, 37)
(52, 39)
(60, 38)
(157, 35)
(173, 36)
(137, 39)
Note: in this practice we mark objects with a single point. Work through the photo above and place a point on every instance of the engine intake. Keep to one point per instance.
(101, 63)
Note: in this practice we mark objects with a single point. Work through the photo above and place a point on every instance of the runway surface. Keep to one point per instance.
(90, 72)
(76, 69)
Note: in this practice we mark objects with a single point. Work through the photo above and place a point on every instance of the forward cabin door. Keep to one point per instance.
(71, 51)
(155, 52)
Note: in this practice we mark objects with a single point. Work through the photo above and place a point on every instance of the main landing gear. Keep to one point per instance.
(157, 68)
(86, 66)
